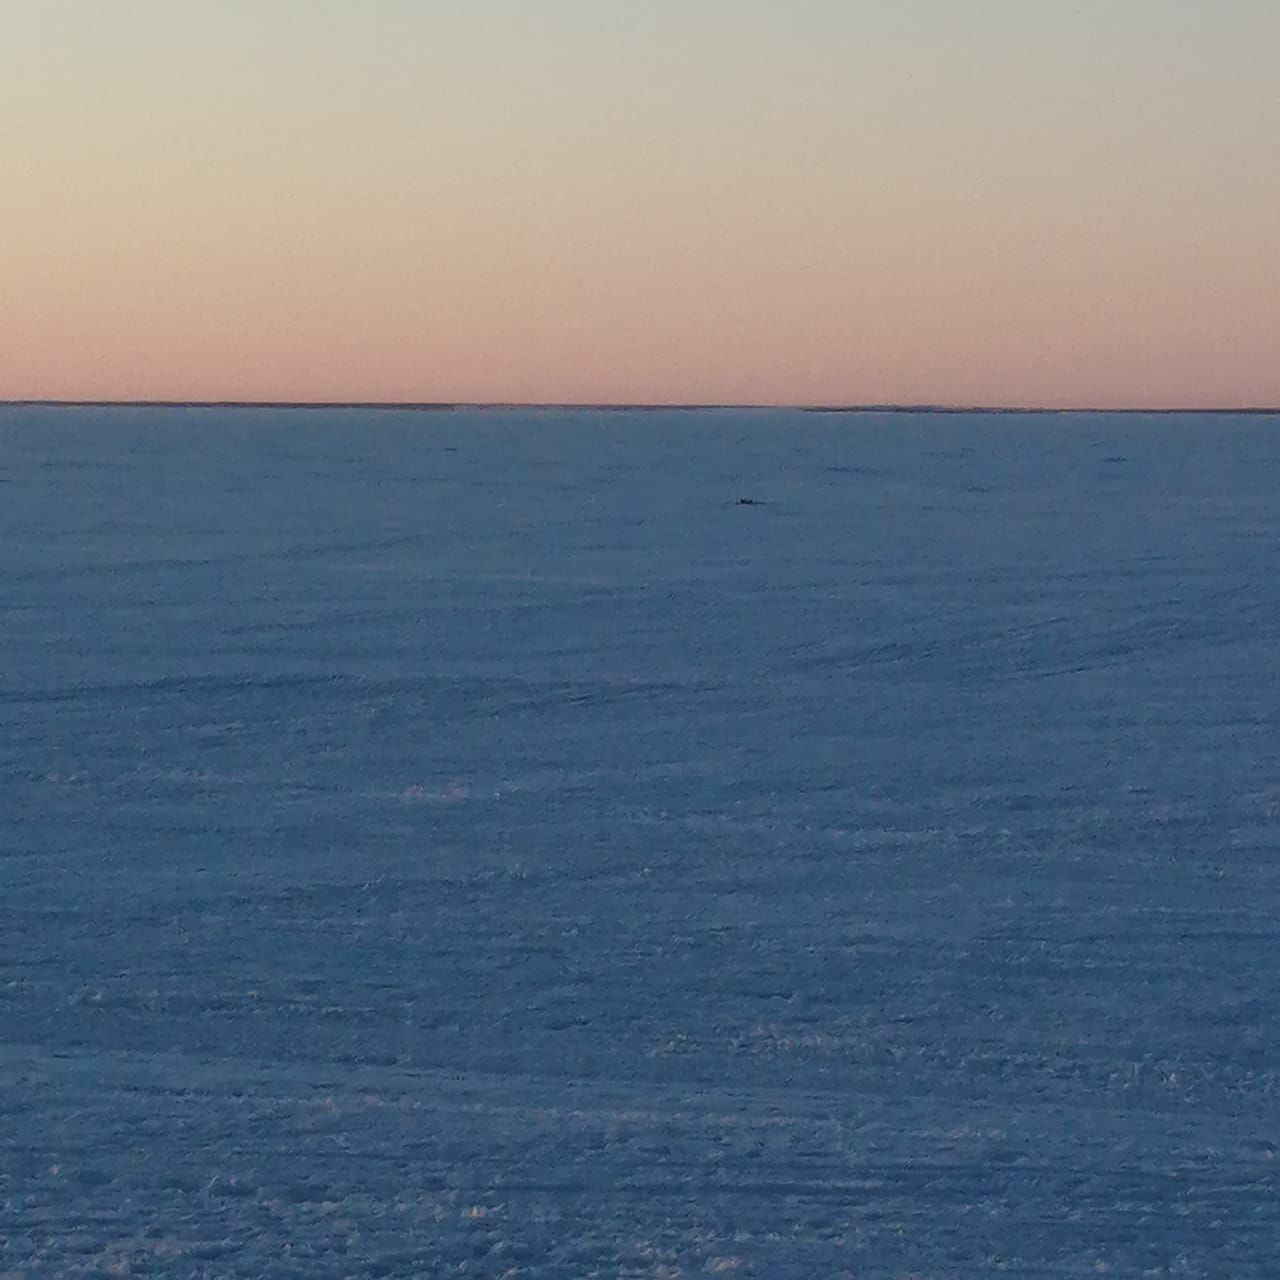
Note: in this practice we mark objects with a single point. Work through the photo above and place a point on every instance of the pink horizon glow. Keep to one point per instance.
(876, 208)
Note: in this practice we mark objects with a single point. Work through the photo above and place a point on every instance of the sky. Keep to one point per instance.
(1004, 202)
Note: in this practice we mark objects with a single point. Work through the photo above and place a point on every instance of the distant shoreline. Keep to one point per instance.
(427, 406)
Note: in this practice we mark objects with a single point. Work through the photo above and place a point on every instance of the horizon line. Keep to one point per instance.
(447, 406)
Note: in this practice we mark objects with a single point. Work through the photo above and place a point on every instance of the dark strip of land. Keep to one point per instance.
(428, 406)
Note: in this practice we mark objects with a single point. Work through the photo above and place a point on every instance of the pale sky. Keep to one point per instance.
(1047, 202)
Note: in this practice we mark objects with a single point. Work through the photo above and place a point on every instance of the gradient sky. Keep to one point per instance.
(981, 201)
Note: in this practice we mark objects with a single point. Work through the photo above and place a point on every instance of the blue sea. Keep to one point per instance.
(552, 844)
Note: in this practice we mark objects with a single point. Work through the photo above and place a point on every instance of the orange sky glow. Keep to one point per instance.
(587, 201)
